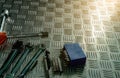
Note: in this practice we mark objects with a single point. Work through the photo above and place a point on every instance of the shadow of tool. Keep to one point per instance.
(68, 70)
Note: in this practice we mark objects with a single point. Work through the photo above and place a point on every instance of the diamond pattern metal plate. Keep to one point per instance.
(94, 24)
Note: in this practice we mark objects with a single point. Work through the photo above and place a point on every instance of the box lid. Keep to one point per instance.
(74, 51)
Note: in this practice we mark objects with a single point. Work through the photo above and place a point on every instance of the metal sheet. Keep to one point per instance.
(94, 24)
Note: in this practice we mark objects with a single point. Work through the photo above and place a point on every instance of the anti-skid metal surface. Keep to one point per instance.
(94, 24)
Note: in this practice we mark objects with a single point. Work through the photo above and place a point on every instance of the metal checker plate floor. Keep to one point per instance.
(94, 24)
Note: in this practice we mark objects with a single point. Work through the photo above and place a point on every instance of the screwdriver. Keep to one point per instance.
(41, 34)
(4, 37)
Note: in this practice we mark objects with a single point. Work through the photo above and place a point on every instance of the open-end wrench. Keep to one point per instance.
(16, 50)
(19, 62)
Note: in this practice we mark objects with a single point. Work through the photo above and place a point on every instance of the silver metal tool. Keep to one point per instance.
(4, 14)
(41, 34)
(47, 63)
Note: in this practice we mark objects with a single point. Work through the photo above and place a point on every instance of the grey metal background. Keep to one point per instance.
(94, 24)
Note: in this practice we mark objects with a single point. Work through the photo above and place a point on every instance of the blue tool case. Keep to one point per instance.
(75, 54)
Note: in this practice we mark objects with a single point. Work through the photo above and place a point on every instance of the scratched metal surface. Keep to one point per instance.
(94, 24)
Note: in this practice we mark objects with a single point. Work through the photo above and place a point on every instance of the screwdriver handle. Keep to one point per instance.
(3, 37)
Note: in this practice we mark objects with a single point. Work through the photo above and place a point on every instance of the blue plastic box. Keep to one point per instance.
(75, 54)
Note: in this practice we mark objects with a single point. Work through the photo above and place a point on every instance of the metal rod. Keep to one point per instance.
(2, 25)
(4, 14)
(46, 67)
(42, 34)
